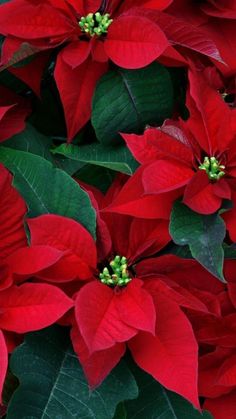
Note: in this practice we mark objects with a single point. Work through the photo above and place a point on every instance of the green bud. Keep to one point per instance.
(213, 168)
(120, 276)
(95, 24)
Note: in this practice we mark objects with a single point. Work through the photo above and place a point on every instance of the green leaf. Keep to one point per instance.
(127, 100)
(47, 189)
(48, 115)
(120, 412)
(35, 142)
(180, 251)
(97, 176)
(203, 233)
(10, 385)
(32, 141)
(117, 158)
(229, 251)
(52, 383)
(154, 401)
(8, 79)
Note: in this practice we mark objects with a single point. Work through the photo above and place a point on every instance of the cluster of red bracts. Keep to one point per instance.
(178, 321)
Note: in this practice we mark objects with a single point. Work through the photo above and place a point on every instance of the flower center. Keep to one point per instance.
(95, 23)
(213, 168)
(118, 274)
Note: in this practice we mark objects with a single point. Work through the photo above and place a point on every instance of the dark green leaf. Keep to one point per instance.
(127, 100)
(230, 251)
(96, 176)
(155, 402)
(47, 189)
(35, 142)
(180, 251)
(32, 141)
(203, 233)
(8, 79)
(117, 158)
(48, 116)
(53, 386)
(10, 385)
(120, 411)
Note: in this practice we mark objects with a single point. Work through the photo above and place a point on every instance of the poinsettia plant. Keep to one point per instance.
(117, 209)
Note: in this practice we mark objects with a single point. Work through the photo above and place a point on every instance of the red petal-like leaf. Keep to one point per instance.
(76, 87)
(155, 144)
(147, 237)
(131, 200)
(227, 372)
(106, 316)
(165, 175)
(32, 307)
(63, 234)
(27, 20)
(12, 211)
(222, 407)
(211, 107)
(28, 261)
(209, 365)
(171, 356)
(134, 42)
(199, 194)
(98, 365)
(76, 53)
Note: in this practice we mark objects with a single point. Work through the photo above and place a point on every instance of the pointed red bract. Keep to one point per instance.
(13, 113)
(164, 176)
(222, 407)
(32, 307)
(12, 212)
(134, 42)
(33, 21)
(28, 261)
(106, 316)
(98, 365)
(76, 87)
(64, 234)
(174, 349)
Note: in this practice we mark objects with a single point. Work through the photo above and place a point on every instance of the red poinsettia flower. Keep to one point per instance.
(13, 112)
(95, 31)
(115, 306)
(130, 42)
(101, 318)
(195, 158)
(119, 300)
(26, 307)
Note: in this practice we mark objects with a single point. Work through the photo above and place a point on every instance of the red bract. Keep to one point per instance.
(12, 233)
(13, 112)
(195, 159)
(222, 407)
(218, 21)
